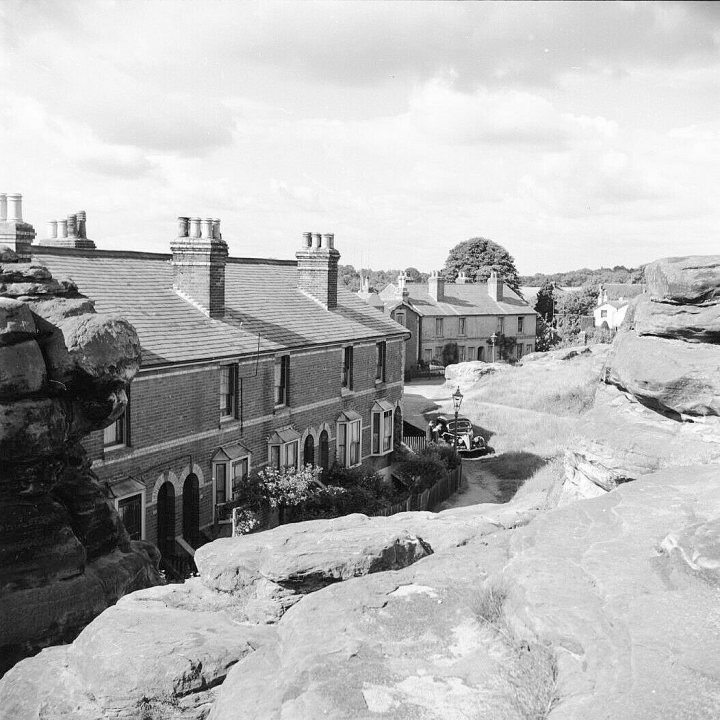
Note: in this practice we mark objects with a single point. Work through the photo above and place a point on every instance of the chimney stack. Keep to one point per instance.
(436, 286)
(402, 291)
(495, 287)
(70, 232)
(462, 278)
(14, 232)
(198, 263)
(317, 268)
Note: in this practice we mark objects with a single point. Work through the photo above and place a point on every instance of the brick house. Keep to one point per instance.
(246, 363)
(465, 313)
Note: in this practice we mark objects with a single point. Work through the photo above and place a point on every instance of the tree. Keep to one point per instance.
(449, 354)
(413, 275)
(478, 257)
(545, 301)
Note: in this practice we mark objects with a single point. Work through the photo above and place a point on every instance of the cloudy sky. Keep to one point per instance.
(574, 134)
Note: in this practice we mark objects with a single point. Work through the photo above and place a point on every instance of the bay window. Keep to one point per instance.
(230, 469)
(383, 413)
(349, 437)
(284, 448)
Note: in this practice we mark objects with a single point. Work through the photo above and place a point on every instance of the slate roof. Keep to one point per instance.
(618, 291)
(461, 300)
(261, 298)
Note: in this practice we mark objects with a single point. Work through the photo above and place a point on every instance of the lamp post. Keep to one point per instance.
(457, 398)
(493, 338)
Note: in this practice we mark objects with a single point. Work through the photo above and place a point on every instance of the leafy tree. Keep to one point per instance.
(574, 312)
(545, 336)
(586, 276)
(413, 275)
(545, 302)
(449, 354)
(477, 257)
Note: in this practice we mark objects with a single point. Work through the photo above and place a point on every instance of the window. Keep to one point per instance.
(427, 355)
(400, 318)
(284, 448)
(118, 434)
(349, 433)
(130, 511)
(282, 380)
(461, 353)
(438, 327)
(518, 351)
(382, 427)
(461, 326)
(500, 325)
(520, 324)
(309, 451)
(380, 352)
(228, 385)
(471, 353)
(231, 466)
(528, 348)
(347, 368)
(603, 313)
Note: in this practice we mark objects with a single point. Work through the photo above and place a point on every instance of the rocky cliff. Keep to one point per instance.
(64, 371)
(603, 608)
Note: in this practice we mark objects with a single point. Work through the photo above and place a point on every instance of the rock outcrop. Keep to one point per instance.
(667, 353)
(603, 608)
(64, 371)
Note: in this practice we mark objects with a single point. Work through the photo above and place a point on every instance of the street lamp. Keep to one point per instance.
(493, 338)
(457, 398)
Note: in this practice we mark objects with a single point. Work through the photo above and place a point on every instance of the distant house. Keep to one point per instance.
(484, 320)
(613, 301)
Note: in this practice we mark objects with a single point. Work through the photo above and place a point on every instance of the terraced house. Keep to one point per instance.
(485, 321)
(246, 363)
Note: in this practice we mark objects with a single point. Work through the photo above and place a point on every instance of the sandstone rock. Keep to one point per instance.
(699, 547)
(16, 322)
(672, 376)
(468, 373)
(271, 571)
(22, 369)
(692, 323)
(693, 279)
(64, 555)
(94, 346)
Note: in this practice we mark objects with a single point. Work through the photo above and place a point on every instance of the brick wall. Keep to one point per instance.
(176, 429)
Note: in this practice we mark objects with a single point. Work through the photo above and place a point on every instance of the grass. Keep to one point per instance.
(532, 671)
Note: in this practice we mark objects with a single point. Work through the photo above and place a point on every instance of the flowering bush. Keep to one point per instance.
(289, 486)
(244, 521)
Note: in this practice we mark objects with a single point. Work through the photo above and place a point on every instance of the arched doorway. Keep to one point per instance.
(166, 520)
(309, 450)
(191, 509)
(324, 450)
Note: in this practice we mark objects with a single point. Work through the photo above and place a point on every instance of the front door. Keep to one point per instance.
(191, 509)
(166, 520)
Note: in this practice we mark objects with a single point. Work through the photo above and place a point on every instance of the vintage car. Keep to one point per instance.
(469, 445)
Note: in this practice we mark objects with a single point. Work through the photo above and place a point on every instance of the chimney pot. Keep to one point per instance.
(317, 240)
(3, 207)
(206, 228)
(194, 227)
(307, 239)
(72, 226)
(317, 272)
(52, 228)
(14, 210)
(329, 240)
(436, 287)
(81, 224)
(182, 225)
(62, 231)
(216, 229)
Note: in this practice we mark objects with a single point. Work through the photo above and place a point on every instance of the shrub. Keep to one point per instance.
(422, 471)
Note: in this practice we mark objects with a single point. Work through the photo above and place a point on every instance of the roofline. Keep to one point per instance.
(145, 255)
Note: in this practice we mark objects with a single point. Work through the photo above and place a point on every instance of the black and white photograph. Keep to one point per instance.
(359, 360)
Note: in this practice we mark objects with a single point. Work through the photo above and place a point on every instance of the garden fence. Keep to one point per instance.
(429, 498)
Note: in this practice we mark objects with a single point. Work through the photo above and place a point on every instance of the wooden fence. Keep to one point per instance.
(429, 498)
(414, 437)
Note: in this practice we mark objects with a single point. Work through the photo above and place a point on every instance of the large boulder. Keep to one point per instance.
(684, 280)
(64, 371)
(681, 378)
(692, 323)
(468, 373)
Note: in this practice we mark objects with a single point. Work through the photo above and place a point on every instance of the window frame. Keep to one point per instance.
(400, 318)
(461, 353)
(123, 424)
(228, 464)
(344, 431)
(281, 391)
(520, 324)
(233, 383)
(500, 325)
(282, 454)
(380, 361)
(462, 326)
(128, 496)
(382, 425)
(346, 377)
(439, 329)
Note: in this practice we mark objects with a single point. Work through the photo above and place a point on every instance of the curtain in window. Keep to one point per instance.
(342, 443)
(220, 484)
(355, 443)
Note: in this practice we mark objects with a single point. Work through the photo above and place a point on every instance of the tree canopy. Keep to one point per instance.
(586, 276)
(545, 302)
(477, 257)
